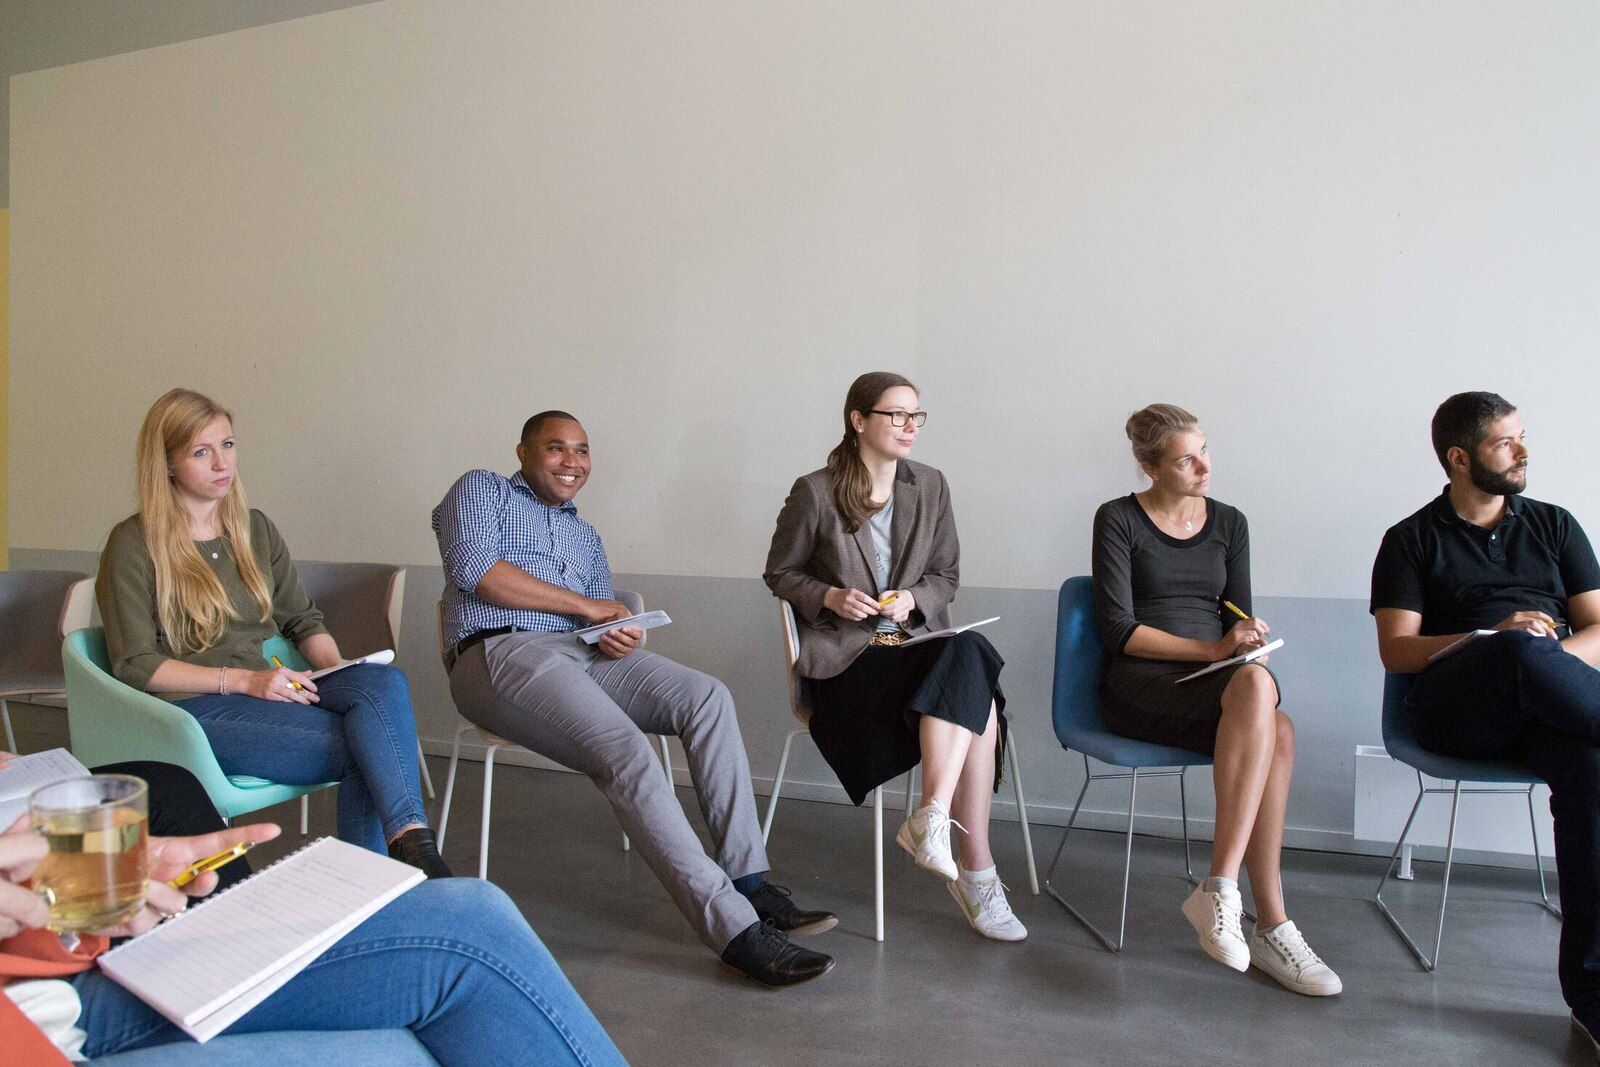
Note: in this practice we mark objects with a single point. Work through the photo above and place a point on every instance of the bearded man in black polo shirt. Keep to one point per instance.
(1483, 557)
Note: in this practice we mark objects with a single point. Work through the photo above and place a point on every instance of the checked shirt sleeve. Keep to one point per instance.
(467, 523)
(598, 587)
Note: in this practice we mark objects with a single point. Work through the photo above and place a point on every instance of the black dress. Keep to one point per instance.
(1143, 576)
(866, 720)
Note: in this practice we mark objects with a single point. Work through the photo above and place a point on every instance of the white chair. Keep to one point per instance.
(38, 609)
(791, 640)
(493, 742)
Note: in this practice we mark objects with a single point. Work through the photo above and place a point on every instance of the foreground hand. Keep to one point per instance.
(277, 683)
(1246, 634)
(6, 758)
(598, 611)
(621, 641)
(169, 856)
(900, 608)
(20, 908)
(1534, 622)
(850, 604)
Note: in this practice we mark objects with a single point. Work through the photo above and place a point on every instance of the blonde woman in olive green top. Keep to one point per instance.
(191, 586)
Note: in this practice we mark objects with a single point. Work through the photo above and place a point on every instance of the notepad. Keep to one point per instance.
(1457, 645)
(34, 771)
(1248, 657)
(386, 656)
(591, 634)
(206, 968)
(946, 633)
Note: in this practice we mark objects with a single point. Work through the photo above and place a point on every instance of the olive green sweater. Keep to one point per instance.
(126, 591)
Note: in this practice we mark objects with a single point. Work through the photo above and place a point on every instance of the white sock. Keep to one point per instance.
(1216, 884)
(988, 874)
(1259, 929)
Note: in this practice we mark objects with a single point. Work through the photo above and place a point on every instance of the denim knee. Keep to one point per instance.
(466, 908)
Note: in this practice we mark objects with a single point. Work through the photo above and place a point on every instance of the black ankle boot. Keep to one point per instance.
(416, 847)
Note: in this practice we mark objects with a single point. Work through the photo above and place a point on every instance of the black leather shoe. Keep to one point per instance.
(416, 847)
(762, 952)
(772, 903)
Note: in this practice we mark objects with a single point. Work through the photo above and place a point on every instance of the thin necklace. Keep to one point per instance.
(1187, 524)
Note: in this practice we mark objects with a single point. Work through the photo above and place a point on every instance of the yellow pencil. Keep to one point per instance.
(889, 598)
(211, 863)
(278, 663)
(1234, 608)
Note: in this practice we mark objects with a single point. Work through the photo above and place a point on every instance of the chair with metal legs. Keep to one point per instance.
(797, 707)
(1080, 726)
(1400, 739)
(494, 742)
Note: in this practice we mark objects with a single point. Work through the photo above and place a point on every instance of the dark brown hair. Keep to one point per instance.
(535, 423)
(1462, 421)
(852, 482)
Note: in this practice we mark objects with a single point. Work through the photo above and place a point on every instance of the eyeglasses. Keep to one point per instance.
(898, 418)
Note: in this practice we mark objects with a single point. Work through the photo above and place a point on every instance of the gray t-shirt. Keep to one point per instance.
(882, 554)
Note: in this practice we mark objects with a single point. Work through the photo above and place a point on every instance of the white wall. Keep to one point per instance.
(385, 235)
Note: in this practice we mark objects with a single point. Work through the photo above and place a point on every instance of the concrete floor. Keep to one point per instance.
(936, 993)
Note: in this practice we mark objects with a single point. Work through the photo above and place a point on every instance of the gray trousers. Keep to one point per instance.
(563, 699)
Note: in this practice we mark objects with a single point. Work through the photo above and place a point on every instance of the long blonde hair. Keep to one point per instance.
(191, 605)
(852, 482)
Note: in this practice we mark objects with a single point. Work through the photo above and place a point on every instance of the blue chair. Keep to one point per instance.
(1400, 738)
(1080, 726)
(111, 722)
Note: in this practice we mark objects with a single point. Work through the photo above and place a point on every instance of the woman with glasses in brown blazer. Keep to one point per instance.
(865, 551)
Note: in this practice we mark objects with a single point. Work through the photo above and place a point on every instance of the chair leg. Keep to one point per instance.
(666, 763)
(11, 738)
(450, 786)
(1127, 866)
(877, 860)
(1538, 860)
(1183, 806)
(427, 778)
(305, 814)
(1022, 813)
(488, 795)
(911, 792)
(1444, 894)
(777, 785)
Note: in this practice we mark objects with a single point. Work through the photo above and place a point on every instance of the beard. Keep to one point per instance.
(1493, 482)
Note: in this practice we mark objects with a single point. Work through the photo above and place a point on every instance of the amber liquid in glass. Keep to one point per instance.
(96, 869)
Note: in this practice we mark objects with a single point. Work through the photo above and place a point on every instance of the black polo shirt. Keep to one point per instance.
(1462, 577)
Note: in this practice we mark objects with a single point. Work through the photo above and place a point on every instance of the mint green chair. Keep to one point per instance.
(112, 723)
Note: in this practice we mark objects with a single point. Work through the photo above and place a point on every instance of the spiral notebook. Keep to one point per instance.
(209, 965)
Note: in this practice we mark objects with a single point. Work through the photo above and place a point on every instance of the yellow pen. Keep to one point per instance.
(1231, 606)
(211, 863)
(889, 598)
(278, 663)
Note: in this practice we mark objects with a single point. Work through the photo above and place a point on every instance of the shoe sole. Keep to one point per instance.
(821, 926)
(1294, 987)
(956, 893)
(781, 985)
(903, 839)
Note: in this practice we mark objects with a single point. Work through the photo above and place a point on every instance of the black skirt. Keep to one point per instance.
(1143, 701)
(866, 720)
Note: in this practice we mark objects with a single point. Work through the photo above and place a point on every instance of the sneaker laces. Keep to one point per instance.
(1225, 914)
(1292, 943)
(992, 898)
(936, 815)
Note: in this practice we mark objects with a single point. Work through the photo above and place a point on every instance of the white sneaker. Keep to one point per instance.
(926, 835)
(1215, 917)
(987, 909)
(1284, 954)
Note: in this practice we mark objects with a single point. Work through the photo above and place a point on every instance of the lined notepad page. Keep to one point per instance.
(207, 967)
(27, 773)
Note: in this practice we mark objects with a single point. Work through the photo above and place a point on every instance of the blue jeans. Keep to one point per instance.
(1526, 700)
(362, 734)
(452, 960)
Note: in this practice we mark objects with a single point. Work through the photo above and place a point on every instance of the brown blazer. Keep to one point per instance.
(812, 553)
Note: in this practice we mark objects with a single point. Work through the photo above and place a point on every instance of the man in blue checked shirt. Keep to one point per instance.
(522, 572)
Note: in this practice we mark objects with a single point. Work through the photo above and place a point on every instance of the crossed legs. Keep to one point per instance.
(1253, 765)
(958, 772)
